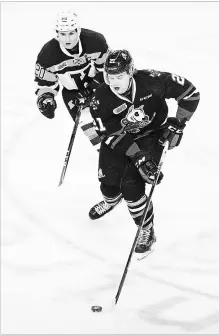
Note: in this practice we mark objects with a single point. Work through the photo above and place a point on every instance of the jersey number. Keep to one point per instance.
(178, 79)
(39, 71)
(99, 125)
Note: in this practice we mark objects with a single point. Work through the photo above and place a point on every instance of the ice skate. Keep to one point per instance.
(145, 242)
(101, 209)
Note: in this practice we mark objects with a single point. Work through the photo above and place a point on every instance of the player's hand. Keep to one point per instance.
(47, 104)
(83, 97)
(146, 166)
(172, 132)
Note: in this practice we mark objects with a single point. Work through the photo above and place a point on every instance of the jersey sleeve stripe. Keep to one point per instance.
(185, 93)
(132, 150)
(45, 89)
(89, 131)
(192, 98)
(183, 113)
(109, 139)
(117, 140)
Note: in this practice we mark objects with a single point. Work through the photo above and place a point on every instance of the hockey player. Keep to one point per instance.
(131, 112)
(73, 60)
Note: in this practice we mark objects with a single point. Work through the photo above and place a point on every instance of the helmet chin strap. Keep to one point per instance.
(130, 83)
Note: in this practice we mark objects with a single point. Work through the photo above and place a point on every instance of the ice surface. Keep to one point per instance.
(56, 263)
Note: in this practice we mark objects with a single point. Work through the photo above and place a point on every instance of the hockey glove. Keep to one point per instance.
(172, 132)
(47, 105)
(83, 97)
(146, 166)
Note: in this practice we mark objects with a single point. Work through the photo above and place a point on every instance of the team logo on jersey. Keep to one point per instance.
(120, 109)
(136, 119)
(61, 66)
(78, 61)
(74, 61)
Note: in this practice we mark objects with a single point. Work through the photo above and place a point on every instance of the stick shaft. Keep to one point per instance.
(77, 119)
(141, 223)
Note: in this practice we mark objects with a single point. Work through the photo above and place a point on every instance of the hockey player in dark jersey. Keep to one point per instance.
(73, 60)
(130, 110)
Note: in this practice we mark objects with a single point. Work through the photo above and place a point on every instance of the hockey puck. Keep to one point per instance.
(96, 309)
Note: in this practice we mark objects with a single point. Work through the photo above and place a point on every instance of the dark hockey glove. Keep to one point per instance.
(172, 132)
(47, 105)
(146, 166)
(83, 97)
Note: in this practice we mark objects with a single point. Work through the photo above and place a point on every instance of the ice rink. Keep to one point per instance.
(55, 262)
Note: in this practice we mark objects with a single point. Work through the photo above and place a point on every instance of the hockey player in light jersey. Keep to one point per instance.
(73, 60)
(130, 110)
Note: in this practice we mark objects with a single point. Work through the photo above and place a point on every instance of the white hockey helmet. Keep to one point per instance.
(67, 21)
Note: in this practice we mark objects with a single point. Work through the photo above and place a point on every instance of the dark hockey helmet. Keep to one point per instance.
(119, 61)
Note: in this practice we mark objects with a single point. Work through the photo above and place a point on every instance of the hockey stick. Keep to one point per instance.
(166, 144)
(77, 119)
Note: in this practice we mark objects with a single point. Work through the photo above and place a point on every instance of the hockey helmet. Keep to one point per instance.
(67, 21)
(119, 61)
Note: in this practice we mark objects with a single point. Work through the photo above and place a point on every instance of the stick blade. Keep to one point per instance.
(60, 182)
(62, 176)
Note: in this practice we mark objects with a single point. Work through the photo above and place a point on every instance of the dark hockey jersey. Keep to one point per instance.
(55, 65)
(121, 121)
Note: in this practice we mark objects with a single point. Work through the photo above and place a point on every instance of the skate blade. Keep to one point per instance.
(139, 257)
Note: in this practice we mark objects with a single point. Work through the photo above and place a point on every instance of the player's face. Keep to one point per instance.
(68, 38)
(119, 82)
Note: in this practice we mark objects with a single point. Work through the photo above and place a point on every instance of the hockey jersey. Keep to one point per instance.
(121, 120)
(55, 65)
